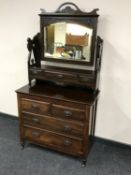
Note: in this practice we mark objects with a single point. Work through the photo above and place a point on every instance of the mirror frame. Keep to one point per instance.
(70, 15)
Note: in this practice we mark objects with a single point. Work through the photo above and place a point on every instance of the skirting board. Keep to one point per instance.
(93, 138)
(110, 142)
(13, 117)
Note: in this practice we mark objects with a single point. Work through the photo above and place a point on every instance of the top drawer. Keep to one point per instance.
(60, 76)
(75, 78)
(55, 76)
(35, 106)
(68, 112)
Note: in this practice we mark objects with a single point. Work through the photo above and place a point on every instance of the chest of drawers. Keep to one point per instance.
(58, 118)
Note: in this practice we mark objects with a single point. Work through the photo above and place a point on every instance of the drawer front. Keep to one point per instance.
(54, 124)
(35, 106)
(67, 77)
(60, 76)
(68, 112)
(53, 140)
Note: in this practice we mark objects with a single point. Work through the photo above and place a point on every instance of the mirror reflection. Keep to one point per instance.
(67, 41)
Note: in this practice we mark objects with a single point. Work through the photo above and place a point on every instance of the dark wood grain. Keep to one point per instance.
(68, 94)
(67, 127)
(64, 76)
(49, 138)
(56, 117)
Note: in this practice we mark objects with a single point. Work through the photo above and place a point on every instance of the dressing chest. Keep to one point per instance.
(57, 109)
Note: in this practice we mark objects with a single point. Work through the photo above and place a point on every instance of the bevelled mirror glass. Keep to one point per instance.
(68, 41)
(68, 35)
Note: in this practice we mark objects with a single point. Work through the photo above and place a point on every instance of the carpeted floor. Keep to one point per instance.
(34, 160)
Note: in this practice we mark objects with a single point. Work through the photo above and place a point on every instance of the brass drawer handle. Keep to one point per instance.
(85, 79)
(35, 134)
(67, 142)
(67, 128)
(60, 76)
(36, 71)
(35, 120)
(67, 113)
(34, 106)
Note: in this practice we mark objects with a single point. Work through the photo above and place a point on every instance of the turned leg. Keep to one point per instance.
(22, 143)
(83, 163)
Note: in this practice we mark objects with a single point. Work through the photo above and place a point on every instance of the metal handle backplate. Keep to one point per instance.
(34, 106)
(35, 120)
(67, 128)
(67, 113)
(67, 142)
(35, 134)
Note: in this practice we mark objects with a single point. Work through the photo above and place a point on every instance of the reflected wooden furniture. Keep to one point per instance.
(77, 40)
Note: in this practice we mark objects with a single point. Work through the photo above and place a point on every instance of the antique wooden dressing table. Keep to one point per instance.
(57, 110)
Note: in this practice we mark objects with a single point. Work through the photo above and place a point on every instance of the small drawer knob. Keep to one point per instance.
(67, 113)
(67, 128)
(34, 106)
(35, 72)
(35, 134)
(67, 142)
(85, 79)
(35, 120)
(60, 76)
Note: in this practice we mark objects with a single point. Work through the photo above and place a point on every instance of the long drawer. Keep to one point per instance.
(67, 127)
(44, 137)
(76, 78)
(58, 76)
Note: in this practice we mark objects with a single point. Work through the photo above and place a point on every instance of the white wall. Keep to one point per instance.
(19, 20)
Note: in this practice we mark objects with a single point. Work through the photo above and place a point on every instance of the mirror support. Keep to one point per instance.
(83, 73)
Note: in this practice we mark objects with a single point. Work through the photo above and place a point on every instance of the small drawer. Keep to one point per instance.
(68, 112)
(54, 124)
(51, 139)
(60, 76)
(35, 106)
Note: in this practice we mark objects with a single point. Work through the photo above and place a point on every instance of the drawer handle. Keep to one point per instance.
(67, 128)
(35, 134)
(36, 71)
(67, 142)
(60, 76)
(67, 113)
(84, 79)
(34, 106)
(35, 120)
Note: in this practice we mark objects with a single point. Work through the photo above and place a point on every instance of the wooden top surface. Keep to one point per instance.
(79, 95)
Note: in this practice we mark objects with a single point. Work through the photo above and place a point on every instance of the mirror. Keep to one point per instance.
(68, 41)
